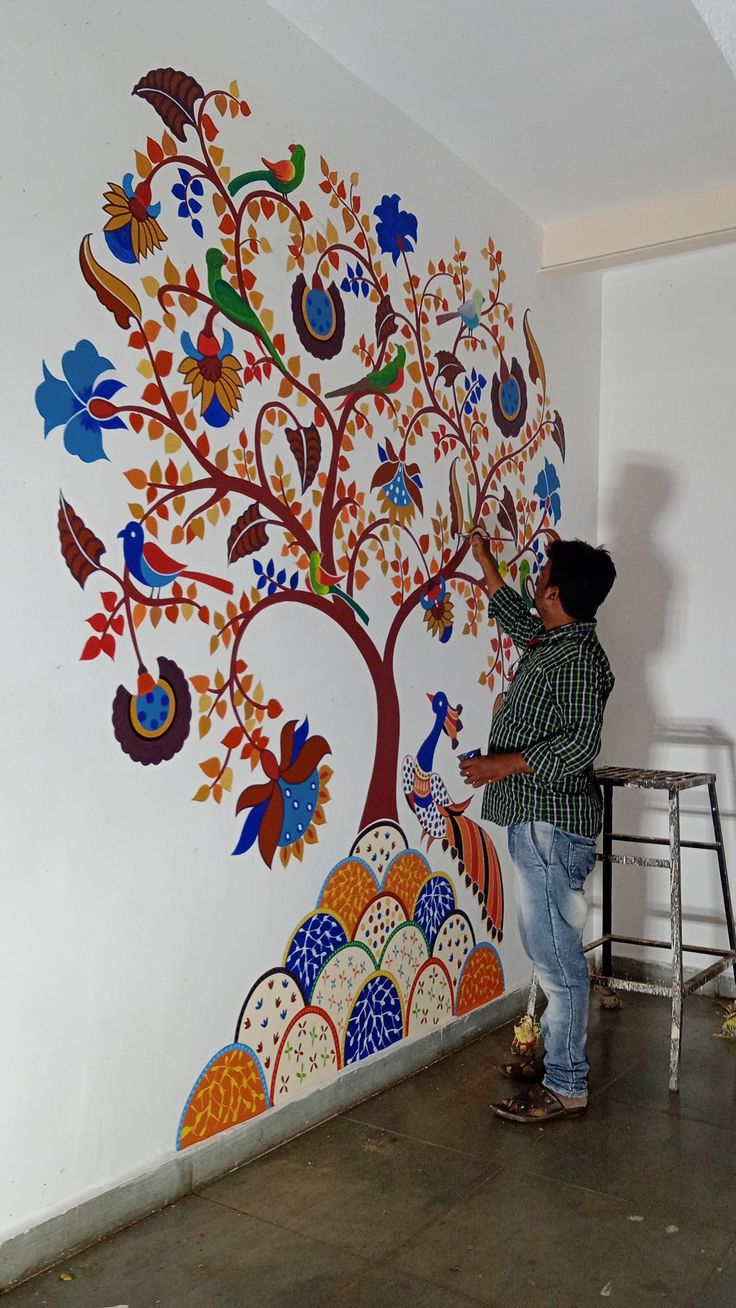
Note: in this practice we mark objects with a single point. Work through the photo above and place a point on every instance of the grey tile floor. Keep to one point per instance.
(420, 1196)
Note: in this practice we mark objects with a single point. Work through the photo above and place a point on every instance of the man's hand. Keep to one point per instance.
(488, 768)
(479, 544)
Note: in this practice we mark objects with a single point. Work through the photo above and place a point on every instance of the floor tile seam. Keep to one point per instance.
(417, 1139)
(675, 1117)
(442, 1211)
(282, 1226)
(402, 1275)
(463, 1194)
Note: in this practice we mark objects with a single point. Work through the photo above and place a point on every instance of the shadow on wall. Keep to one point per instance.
(634, 627)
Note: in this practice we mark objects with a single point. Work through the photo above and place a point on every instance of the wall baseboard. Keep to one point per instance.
(179, 1174)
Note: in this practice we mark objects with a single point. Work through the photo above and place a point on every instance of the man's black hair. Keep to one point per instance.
(582, 574)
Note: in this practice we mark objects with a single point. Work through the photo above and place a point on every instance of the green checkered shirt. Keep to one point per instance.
(552, 714)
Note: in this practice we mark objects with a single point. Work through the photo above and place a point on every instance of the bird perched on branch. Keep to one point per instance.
(235, 307)
(325, 583)
(282, 177)
(468, 312)
(147, 562)
(381, 381)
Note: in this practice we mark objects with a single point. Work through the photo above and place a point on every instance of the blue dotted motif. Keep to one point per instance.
(319, 312)
(311, 945)
(376, 1020)
(510, 397)
(152, 709)
(300, 803)
(435, 902)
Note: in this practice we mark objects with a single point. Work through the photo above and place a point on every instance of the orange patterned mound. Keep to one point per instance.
(481, 979)
(405, 877)
(231, 1089)
(347, 891)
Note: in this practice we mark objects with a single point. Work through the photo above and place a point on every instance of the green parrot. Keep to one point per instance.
(282, 177)
(379, 382)
(237, 309)
(324, 583)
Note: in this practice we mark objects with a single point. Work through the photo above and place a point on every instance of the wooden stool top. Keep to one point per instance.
(651, 779)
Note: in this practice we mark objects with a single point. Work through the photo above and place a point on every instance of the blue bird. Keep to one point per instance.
(150, 566)
(469, 312)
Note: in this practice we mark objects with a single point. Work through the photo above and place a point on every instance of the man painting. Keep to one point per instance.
(539, 782)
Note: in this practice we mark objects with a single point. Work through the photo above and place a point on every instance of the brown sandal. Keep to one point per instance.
(527, 1070)
(538, 1105)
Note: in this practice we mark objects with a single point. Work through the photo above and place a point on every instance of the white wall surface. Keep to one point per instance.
(667, 476)
(128, 935)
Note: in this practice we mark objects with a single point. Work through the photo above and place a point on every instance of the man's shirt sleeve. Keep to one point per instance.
(580, 691)
(513, 616)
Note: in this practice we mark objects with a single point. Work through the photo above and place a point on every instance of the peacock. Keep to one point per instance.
(442, 819)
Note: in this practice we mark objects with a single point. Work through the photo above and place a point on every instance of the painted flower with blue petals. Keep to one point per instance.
(132, 232)
(188, 192)
(396, 229)
(80, 403)
(546, 487)
(212, 372)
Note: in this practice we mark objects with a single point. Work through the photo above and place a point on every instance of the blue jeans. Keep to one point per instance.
(552, 867)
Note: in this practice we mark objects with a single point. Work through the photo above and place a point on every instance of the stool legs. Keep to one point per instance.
(676, 929)
(723, 870)
(607, 864)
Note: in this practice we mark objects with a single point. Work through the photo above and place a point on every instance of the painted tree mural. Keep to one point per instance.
(234, 299)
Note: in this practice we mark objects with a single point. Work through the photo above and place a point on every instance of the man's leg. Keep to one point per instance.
(552, 867)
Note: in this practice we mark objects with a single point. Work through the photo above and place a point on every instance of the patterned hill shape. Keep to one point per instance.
(317, 936)
(405, 952)
(348, 888)
(229, 1090)
(378, 844)
(454, 941)
(273, 1001)
(309, 1055)
(405, 876)
(339, 981)
(481, 980)
(380, 918)
(376, 1020)
(435, 902)
(431, 999)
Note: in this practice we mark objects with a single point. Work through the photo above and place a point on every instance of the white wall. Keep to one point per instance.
(129, 935)
(667, 476)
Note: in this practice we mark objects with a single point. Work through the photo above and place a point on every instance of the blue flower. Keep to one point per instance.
(187, 192)
(132, 232)
(82, 408)
(396, 229)
(546, 487)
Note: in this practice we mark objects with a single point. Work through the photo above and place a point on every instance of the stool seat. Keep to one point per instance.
(652, 779)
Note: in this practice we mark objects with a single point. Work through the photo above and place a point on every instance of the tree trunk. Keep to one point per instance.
(380, 804)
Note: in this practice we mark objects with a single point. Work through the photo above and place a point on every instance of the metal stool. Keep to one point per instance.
(673, 783)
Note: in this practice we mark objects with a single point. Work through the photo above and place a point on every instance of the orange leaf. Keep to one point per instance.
(137, 478)
(210, 767)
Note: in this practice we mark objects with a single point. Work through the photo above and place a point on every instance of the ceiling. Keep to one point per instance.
(570, 107)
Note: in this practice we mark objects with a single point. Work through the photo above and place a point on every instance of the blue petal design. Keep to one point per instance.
(227, 344)
(215, 414)
(82, 437)
(82, 366)
(108, 387)
(178, 191)
(251, 827)
(154, 210)
(183, 210)
(189, 346)
(300, 736)
(55, 402)
(197, 227)
(195, 206)
(120, 244)
(128, 185)
(196, 187)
